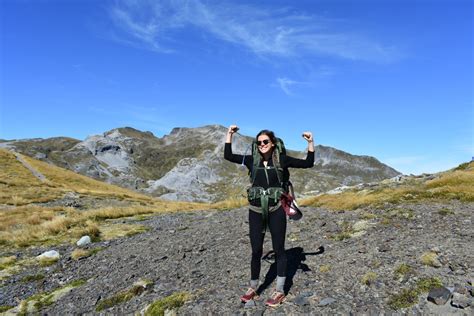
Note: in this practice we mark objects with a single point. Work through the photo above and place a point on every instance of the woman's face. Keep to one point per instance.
(264, 144)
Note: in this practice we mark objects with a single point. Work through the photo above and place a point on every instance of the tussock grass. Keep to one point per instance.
(445, 212)
(456, 184)
(124, 296)
(71, 181)
(31, 278)
(403, 269)
(16, 267)
(430, 258)
(369, 278)
(324, 268)
(87, 228)
(46, 262)
(231, 203)
(171, 302)
(36, 225)
(409, 297)
(31, 225)
(6, 262)
(113, 231)
(5, 308)
(18, 186)
(79, 253)
(35, 303)
(346, 232)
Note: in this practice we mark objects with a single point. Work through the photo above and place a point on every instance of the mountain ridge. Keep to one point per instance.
(187, 164)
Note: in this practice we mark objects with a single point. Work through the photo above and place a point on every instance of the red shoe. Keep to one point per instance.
(249, 295)
(276, 299)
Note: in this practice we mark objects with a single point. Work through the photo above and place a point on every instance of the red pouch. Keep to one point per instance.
(288, 203)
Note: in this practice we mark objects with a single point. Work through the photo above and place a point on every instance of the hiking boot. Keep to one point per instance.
(249, 295)
(276, 299)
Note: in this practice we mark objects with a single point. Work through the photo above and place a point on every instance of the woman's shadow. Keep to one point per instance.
(295, 257)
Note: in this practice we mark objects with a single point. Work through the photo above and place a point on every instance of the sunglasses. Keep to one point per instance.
(264, 142)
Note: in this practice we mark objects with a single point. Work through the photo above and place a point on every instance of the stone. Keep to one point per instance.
(85, 240)
(439, 296)
(360, 225)
(458, 288)
(300, 300)
(460, 301)
(250, 304)
(326, 301)
(52, 254)
(170, 312)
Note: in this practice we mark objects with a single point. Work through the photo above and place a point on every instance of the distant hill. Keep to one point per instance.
(188, 163)
(454, 184)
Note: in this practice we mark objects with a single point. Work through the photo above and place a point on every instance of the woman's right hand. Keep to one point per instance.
(233, 129)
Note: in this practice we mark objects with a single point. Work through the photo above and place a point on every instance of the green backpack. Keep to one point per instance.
(272, 194)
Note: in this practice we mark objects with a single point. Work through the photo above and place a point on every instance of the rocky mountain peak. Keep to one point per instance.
(128, 132)
(188, 163)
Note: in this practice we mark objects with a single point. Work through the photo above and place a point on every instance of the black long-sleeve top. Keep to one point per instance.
(260, 177)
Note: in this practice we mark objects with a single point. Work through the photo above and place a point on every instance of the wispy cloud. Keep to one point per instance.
(263, 31)
(285, 84)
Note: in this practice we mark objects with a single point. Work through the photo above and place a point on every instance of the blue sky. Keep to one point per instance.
(389, 79)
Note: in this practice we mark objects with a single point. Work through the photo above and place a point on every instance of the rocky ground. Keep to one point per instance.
(339, 263)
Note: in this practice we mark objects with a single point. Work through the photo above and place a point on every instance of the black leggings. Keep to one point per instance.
(277, 227)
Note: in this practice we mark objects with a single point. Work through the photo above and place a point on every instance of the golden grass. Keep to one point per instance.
(115, 230)
(79, 253)
(230, 203)
(34, 225)
(456, 184)
(6, 262)
(46, 262)
(369, 278)
(71, 181)
(25, 224)
(430, 258)
(20, 187)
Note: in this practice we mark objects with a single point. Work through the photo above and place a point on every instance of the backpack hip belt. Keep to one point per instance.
(265, 196)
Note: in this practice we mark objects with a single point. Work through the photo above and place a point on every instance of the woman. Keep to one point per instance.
(266, 177)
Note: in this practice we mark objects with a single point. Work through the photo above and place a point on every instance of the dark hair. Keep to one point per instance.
(270, 135)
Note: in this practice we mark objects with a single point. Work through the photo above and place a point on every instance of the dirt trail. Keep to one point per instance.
(35, 172)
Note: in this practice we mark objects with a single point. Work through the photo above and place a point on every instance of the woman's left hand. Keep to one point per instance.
(308, 136)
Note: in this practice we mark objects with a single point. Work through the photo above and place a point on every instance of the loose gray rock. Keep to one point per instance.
(439, 296)
(52, 254)
(326, 301)
(250, 304)
(301, 300)
(85, 240)
(460, 301)
(170, 312)
(216, 266)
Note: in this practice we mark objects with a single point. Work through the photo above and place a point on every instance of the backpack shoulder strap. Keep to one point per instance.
(256, 162)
